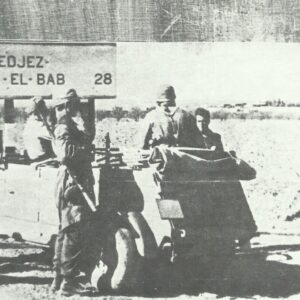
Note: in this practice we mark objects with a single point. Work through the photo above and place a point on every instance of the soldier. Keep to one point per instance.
(36, 137)
(168, 124)
(211, 139)
(72, 146)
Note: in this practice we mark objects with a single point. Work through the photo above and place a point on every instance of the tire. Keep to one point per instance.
(146, 243)
(118, 267)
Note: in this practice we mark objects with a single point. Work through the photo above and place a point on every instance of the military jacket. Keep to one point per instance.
(172, 129)
(72, 148)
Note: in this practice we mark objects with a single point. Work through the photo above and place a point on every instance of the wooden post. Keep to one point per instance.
(91, 111)
(9, 123)
(9, 111)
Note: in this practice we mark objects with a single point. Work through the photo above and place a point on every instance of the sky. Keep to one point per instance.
(202, 74)
(208, 73)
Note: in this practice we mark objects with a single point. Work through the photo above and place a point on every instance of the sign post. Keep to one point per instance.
(49, 70)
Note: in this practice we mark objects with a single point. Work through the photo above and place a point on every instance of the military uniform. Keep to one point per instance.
(37, 139)
(209, 140)
(212, 140)
(72, 148)
(177, 128)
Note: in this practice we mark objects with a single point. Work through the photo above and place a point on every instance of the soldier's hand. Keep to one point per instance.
(79, 123)
(36, 99)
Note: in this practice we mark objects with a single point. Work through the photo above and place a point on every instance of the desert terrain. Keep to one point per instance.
(270, 269)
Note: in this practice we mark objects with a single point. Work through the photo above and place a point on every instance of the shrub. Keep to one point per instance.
(117, 112)
(135, 113)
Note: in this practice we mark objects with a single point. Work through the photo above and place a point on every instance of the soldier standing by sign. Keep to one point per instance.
(36, 137)
(168, 124)
(72, 146)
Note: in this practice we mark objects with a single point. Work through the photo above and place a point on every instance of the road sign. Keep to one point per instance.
(28, 69)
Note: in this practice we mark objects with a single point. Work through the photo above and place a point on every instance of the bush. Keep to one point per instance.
(242, 115)
(117, 112)
(102, 114)
(136, 113)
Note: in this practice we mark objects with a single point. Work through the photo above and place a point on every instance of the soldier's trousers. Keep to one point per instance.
(70, 255)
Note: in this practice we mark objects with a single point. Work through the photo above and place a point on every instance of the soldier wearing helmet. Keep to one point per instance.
(72, 147)
(168, 124)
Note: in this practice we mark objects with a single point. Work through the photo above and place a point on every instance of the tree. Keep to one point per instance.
(136, 113)
(102, 114)
(117, 112)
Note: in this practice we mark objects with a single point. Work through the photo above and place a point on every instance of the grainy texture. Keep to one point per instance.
(151, 20)
(271, 270)
(233, 20)
(84, 20)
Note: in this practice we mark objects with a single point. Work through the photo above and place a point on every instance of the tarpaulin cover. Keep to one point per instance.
(177, 165)
(209, 191)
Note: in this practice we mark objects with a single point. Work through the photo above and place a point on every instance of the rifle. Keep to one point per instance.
(85, 195)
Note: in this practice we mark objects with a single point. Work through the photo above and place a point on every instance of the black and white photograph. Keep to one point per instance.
(149, 150)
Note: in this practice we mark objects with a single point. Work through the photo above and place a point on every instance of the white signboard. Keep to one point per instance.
(44, 69)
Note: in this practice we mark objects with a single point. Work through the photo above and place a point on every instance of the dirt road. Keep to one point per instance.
(266, 271)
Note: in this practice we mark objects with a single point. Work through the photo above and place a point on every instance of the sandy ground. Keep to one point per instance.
(270, 146)
(271, 269)
(263, 272)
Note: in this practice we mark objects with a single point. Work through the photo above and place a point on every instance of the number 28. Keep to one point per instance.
(105, 78)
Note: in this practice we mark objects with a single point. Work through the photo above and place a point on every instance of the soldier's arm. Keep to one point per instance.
(219, 144)
(66, 149)
(145, 135)
(82, 126)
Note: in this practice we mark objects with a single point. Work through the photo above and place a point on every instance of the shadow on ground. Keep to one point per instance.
(34, 280)
(253, 275)
(44, 257)
(39, 260)
(245, 275)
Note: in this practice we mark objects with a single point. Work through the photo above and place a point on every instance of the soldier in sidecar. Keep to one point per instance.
(195, 206)
(199, 192)
(211, 140)
(188, 206)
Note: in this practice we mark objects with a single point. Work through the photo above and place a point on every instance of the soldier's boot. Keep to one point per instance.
(57, 280)
(70, 287)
